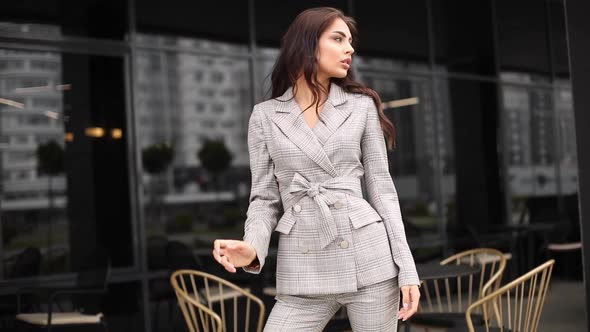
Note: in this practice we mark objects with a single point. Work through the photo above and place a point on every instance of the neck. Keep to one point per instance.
(303, 94)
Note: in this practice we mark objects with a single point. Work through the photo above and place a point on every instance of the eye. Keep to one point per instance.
(338, 39)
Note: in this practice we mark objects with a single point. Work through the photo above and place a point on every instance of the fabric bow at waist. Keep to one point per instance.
(323, 195)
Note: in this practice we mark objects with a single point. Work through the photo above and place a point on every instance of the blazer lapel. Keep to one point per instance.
(332, 116)
(289, 119)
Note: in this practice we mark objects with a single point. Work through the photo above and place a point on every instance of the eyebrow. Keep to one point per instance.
(341, 33)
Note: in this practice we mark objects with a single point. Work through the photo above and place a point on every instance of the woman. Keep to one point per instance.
(310, 147)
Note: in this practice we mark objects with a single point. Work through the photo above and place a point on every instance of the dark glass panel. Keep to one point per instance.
(397, 29)
(55, 18)
(203, 19)
(274, 17)
(463, 35)
(65, 189)
(522, 36)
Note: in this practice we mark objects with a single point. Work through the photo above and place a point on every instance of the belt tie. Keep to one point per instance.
(323, 194)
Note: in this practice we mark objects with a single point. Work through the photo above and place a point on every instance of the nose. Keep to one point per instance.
(350, 49)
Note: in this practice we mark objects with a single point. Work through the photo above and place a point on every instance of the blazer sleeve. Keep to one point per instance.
(383, 196)
(265, 200)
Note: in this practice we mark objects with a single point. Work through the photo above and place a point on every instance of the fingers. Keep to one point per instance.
(218, 246)
(233, 253)
(220, 243)
(402, 314)
(217, 254)
(410, 300)
(220, 254)
(227, 264)
(216, 249)
(415, 298)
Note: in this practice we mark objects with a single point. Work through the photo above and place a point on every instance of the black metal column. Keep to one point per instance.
(578, 26)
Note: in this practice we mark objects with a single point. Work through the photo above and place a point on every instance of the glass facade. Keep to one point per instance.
(196, 105)
(57, 128)
(33, 200)
(130, 133)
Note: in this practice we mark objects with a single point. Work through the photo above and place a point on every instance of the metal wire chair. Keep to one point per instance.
(516, 306)
(201, 290)
(445, 300)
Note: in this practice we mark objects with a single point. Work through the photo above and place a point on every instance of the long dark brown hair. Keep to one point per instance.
(298, 55)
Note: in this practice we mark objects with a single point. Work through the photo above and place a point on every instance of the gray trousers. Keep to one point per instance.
(371, 308)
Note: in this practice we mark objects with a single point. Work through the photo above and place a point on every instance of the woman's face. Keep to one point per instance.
(334, 51)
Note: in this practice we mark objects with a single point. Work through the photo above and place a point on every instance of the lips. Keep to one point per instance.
(347, 61)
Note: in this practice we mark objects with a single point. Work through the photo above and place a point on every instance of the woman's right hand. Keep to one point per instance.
(233, 253)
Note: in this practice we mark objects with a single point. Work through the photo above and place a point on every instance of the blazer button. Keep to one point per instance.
(297, 208)
(338, 204)
(344, 244)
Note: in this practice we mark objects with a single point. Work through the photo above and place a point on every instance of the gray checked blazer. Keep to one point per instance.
(306, 184)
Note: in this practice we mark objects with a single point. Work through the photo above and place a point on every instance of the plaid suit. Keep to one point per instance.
(370, 309)
(306, 184)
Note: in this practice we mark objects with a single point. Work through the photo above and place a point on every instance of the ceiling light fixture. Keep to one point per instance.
(401, 102)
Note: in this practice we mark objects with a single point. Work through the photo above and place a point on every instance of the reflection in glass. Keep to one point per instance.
(196, 44)
(530, 137)
(540, 158)
(265, 61)
(445, 148)
(470, 183)
(61, 196)
(539, 136)
(568, 159)
(412, 161)
(30, 30)
(32, 197)
(192, 115)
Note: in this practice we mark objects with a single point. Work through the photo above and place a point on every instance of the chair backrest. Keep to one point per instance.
(516, 306)
(235, 307)
(457, 293)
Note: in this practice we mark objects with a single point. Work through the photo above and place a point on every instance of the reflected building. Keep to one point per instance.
(185, 100)
(538, 121)
(37, 121)
(32, 80)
